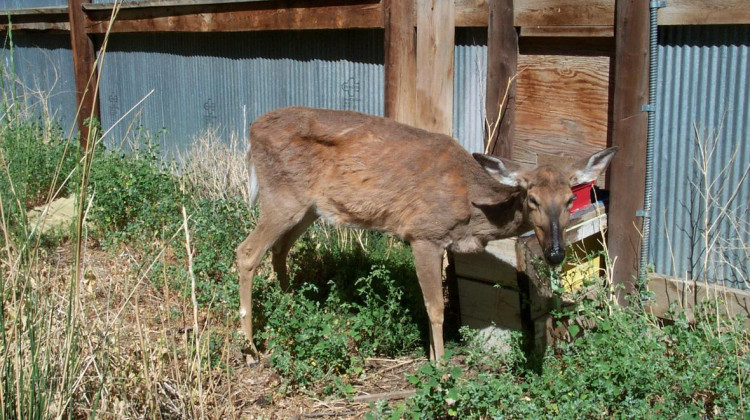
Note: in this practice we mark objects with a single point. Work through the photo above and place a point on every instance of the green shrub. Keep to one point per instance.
(627, 367)
(34, 162)
(135, 196)
(317, 343)
(217, 227)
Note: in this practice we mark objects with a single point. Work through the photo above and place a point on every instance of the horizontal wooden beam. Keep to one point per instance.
(705, 12)
(240, 17)
(669, 292)
(568, 31)
(35, 19)
(537, 18)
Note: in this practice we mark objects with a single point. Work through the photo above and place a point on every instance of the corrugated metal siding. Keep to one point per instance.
(469, 92)
(28, 4)
(206, 80)
(40, 75)
(704, 74)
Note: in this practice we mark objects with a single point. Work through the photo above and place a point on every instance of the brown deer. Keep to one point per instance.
(360, 170)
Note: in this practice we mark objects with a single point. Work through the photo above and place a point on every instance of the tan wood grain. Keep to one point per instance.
(435, 46)
(400, 60)
(705, 12)
(562, 105)
(234, 17)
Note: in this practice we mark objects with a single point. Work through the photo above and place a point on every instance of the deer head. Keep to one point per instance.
(547, 195)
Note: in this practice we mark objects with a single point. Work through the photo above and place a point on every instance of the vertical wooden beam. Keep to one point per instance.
(628, 169)
(502, 60)
(400, 60)
(435, 44)
(84, 61)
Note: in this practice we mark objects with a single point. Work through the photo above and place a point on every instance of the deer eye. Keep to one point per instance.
(571, 200)
(533, 202)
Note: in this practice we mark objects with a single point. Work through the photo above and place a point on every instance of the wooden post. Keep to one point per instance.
(628, 169)
(400, 60)
(435, 44)
(502, 59)
(84, 61)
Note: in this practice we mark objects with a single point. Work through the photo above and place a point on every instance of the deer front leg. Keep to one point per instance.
(428, 261)
(249, 255)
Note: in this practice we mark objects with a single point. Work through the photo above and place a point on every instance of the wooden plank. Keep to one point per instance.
(435, 45)
(562, 107)
(248, 16)
(472, 13)
(36, 26)
(35, 19)
(628, 169)
(685, 295)
(705, 12)
(565, 13)
(484, 305)
(156, 3)
(532, 13)
(400, 60)
(568, 31)
(502, 59)
(36, 12)
(84, 61)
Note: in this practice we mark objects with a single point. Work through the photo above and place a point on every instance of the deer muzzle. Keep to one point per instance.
(555, 252)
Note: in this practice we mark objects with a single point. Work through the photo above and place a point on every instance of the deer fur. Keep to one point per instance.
(359, 170)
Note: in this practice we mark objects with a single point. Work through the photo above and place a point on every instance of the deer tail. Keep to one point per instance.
(252, 179)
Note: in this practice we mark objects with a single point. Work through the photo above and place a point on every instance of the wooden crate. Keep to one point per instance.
(493, 283)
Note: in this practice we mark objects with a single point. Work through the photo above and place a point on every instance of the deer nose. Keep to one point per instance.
(555, 255)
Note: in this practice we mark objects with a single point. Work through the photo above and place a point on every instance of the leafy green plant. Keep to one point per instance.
(135, 196)
(628, 366)
(35, 160)
(217, 228)
(316, 342)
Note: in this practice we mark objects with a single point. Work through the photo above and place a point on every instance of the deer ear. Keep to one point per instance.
(504, 171)
(588, 169)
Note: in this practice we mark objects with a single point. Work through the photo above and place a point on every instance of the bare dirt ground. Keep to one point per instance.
(149, 331)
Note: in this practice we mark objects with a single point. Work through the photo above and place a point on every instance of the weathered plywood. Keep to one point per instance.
(483, 305)
(705, 12)
(497, 263)
(562, 105)
(435, 49)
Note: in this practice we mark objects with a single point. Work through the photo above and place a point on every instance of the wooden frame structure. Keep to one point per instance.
(419, 35)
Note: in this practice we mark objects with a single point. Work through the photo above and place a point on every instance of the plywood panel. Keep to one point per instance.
(483, 305)
(562, 105)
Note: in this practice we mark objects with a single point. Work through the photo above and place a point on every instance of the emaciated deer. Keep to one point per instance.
(360, 170)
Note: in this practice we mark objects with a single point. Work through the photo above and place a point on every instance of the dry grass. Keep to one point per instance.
(214, 167)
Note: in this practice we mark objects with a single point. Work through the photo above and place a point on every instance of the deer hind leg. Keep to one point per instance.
(428, 261)
(281, 248)
(270, 228)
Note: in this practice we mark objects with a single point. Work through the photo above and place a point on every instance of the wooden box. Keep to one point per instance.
(501, 288)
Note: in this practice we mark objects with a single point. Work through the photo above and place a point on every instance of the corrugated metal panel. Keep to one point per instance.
(470, 79)
(207, 80)
(28, 4)
(40, 75)
(704, 74)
